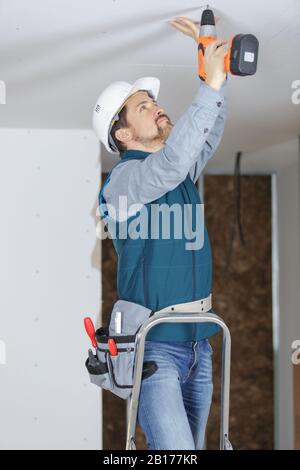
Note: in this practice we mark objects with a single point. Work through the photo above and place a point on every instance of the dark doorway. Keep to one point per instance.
(242, 296)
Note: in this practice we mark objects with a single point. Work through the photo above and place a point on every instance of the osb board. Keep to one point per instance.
(243, 298)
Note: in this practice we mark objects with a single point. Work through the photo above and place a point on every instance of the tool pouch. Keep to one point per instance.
(115, 373)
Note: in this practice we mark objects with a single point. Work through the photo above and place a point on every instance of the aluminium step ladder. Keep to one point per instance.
(171, 317)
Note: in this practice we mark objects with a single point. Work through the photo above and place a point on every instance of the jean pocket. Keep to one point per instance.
(149, 368)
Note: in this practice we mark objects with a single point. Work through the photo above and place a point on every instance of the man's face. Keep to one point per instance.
(149, 125)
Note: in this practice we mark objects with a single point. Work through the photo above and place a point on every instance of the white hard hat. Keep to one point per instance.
(112, 100)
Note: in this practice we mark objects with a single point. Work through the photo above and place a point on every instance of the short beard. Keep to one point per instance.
(161, 136)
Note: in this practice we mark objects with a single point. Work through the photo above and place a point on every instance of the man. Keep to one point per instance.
(160, 164)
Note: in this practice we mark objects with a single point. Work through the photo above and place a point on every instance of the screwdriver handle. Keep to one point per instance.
(112, 347)
(90, 329)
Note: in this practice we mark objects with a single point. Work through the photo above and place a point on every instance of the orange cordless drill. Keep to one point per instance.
(241, 57)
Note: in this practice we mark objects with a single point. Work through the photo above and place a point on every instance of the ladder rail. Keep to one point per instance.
(171, 317)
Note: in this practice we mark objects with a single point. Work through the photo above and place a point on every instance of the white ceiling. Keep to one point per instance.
(56, 56)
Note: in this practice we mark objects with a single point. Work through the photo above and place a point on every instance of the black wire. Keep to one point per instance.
(236, 215)
(238, 198)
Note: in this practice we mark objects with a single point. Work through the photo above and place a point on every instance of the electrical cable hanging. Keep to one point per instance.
(236, 216)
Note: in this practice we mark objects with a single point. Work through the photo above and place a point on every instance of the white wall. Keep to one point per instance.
(50, 279)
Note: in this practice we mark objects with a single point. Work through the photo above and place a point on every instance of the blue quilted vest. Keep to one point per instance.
(159, 272)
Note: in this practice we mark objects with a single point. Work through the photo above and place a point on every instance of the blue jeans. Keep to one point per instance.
(175, 401)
